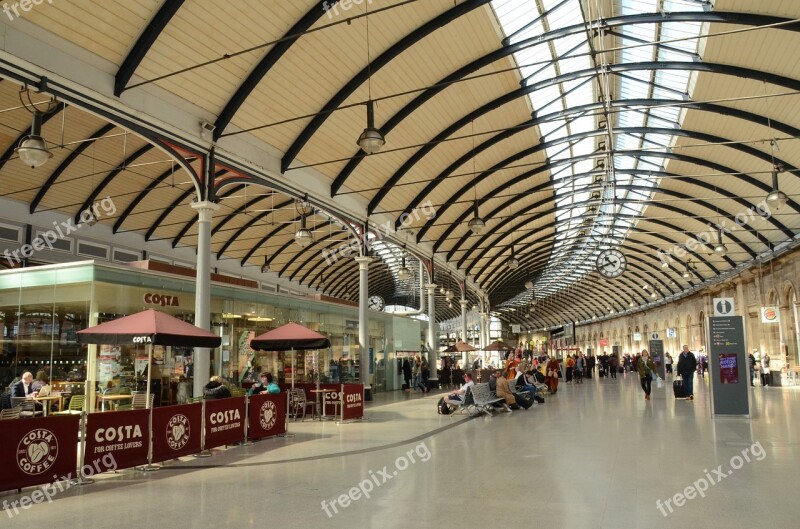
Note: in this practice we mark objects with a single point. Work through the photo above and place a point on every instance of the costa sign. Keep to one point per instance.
(267, 415)
(163, 300)
(224, 422)
(176, 431)
(124, 434)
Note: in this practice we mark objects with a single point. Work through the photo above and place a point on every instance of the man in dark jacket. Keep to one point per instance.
(751, 363)
(687, 365)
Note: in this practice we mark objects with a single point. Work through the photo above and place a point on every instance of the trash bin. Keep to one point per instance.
(774, 378)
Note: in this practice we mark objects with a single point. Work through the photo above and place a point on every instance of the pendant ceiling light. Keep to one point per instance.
(513, 262)
(371, 140)
(776, 197)
(404, 274)
(303, 236)
(719, 248)
(476, 224)
(32, 149)
(528, 284)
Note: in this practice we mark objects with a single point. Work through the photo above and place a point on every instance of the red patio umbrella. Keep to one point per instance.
(290, 337)
(497, 346)
(149, 327)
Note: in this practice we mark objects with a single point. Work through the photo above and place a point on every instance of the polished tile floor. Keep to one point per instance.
(593, 456)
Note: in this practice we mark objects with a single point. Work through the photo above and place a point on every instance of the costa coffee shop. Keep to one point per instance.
(41, 309)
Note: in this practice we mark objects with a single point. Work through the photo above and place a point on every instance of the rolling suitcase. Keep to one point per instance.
(677, 389)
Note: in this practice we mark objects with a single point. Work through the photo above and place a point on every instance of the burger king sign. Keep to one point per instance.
(770, 315)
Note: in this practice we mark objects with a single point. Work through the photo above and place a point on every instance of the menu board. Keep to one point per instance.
(728, 369)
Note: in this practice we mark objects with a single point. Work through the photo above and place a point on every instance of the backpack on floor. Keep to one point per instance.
(443, 407)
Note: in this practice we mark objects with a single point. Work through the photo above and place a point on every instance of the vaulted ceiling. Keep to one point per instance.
(570, 126)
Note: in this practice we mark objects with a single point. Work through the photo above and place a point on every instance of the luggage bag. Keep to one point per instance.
(677, 389)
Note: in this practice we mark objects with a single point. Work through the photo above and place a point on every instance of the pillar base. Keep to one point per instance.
(433, 383)
(367, 393)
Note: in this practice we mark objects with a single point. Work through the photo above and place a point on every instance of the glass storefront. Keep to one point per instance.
(42, 309)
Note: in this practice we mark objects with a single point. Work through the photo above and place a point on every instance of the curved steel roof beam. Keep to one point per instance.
(74, 155)
(249, 224)
(144, 43)
(266, 63)
(371, 69)
(745, 19)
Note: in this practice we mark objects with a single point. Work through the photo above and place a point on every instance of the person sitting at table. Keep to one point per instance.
(267, 385)
(23, 387)
(216, 389)
(40, 381)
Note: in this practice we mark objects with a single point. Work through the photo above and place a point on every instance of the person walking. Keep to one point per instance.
(765, 374)
(751, 363)
(646, 369)
(668, 363)
(551, 369)
(613, 363)
(577, 371)
(687, 365)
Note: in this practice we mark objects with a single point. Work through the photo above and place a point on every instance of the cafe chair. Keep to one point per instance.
(77, 404)
(193, 400)
(298, 404)
(139, 402)
(10, 413)
(26, 406)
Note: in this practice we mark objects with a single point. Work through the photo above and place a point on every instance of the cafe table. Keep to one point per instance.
(323, 415)
(112, 398)
(46, 402)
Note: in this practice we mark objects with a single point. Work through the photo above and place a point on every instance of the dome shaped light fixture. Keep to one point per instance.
(686, 273)
(371, 140)
(449, 295)
(303, 236)
(513, 262)
(32, 149)
(404, 274)
(776, 197)
(476, 224)
(719, 248)
(528, 284)
(653, 294)
(632, 304)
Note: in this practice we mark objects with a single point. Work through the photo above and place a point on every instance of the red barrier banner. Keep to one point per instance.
(353, 401)
(267, 415)
(38, 451)
(330, 399)
(176, 431)
(224, 421)
(123, 434)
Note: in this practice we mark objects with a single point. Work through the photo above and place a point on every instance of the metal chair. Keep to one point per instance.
(26, 406)
(298, 403)
(139, 402)
(77, 405)
(10, 413)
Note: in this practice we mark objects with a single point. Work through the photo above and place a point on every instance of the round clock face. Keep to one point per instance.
(375, 303)
(611, 263)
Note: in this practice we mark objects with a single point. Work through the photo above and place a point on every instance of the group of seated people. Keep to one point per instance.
(520, 392)
(217, 387)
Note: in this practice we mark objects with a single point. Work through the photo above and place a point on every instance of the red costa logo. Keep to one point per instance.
(161, 299)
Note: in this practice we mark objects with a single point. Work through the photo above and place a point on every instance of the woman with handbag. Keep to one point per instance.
(552, 369)
(646, 369)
